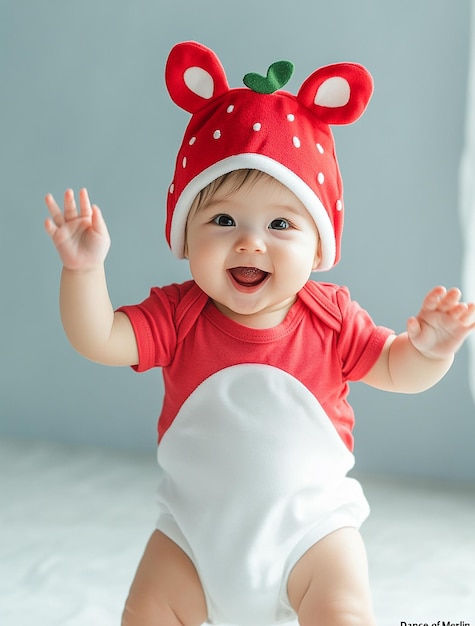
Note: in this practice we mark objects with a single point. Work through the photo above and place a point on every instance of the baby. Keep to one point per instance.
(258, 521)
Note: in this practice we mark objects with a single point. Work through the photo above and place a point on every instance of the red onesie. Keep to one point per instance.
(255, 436)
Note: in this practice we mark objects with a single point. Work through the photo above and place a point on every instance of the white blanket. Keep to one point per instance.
(74, 522)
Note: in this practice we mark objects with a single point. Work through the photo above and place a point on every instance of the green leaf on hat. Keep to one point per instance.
(278, 74)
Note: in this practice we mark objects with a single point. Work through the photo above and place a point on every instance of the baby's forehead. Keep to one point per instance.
(257, 185)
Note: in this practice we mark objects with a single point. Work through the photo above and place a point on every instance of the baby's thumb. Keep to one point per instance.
(413, 328)
(50, 227)
(98, 222)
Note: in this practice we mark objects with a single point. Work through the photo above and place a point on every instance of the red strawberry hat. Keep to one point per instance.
(261, 127)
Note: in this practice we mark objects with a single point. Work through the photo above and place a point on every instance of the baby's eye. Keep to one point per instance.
(224, 220)
(280, 224)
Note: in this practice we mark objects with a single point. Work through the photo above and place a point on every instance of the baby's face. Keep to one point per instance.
(252, 251)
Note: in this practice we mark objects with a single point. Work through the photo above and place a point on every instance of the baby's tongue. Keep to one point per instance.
(248, 276)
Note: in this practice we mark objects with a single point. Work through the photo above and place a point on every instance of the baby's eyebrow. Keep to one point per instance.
(212, 203)
(287, 207)
(227, 203)
(216, 201)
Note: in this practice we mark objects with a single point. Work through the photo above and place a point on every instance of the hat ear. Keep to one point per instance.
(337, 93)
(194, 75)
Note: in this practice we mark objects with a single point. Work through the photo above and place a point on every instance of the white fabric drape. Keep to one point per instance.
(467, 197)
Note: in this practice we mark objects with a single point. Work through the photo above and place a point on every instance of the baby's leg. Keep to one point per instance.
(329, 585)
(166, 590)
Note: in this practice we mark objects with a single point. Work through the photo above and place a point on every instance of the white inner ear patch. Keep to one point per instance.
(334, 92)
(199, 81)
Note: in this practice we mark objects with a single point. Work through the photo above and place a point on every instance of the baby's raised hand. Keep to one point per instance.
(81, 237)
(442, 324)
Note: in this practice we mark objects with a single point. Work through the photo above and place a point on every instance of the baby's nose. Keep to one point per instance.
(250, 240)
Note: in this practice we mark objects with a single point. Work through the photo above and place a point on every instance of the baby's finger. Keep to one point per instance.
(50, 227)
(70, 209)
(433, 298)
(84, 203)
(54, 210)
(98, 221)
(458, 311)
(413, 327)
(450, 300)
(467, 314)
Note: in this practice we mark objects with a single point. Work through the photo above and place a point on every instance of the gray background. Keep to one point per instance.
(83, 102)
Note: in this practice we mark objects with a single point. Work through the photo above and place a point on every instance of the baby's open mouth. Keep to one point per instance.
(248, 276)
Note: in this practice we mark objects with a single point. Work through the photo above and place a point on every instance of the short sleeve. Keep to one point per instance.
(360, 341)
(153, 321)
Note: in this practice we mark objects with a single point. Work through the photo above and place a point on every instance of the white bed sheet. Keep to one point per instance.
(74, 522)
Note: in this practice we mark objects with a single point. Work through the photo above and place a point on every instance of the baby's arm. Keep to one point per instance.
(82, 241)
(417, 359)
